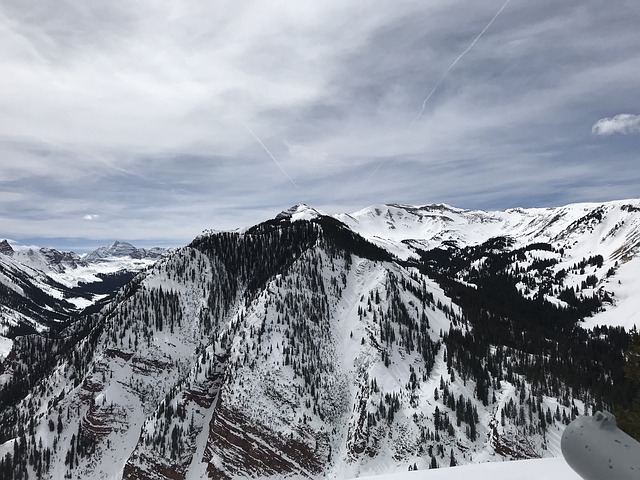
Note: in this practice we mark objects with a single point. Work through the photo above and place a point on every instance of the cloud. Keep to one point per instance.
(136, 111)
(623, 123)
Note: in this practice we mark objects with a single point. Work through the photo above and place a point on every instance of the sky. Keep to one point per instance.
(152, 121)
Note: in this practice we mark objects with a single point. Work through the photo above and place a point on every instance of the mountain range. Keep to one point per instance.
(390, 339)
(43, 288)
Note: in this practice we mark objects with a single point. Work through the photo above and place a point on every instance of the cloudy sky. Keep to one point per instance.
(151, 121)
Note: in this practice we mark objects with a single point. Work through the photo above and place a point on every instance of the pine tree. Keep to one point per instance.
(629, 419)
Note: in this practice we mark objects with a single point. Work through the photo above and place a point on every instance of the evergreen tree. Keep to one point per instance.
(628, 419)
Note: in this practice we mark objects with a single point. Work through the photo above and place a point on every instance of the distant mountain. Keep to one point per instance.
(317, 346)
(300, 212)
(30, 301)
(48, 259)
(5, 248)
(123, 249)
(405, 229)
(42, 288)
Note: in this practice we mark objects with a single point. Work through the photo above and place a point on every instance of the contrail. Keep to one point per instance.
(424, 103)
(268, 152)
(444, 76)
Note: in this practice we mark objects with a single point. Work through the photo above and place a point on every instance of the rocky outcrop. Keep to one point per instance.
(120, 249)
(5, 248)
(238, 446)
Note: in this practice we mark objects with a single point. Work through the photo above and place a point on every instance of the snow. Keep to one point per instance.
(197, 468)
(72, 277)
(5, 347)
(9, 283)
(576, 232)
(72, 269)
(301, 212)
(539, 469)
(305, 212)
(432, 225)
(11, 318)
(80, 302)
(626, 312)
(53, 273)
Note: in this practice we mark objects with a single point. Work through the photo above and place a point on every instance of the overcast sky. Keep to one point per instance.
(151, 121)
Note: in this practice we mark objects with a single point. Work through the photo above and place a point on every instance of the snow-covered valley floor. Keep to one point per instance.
(539, 469)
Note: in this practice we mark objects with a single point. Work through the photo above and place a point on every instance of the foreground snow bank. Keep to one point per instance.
(542, 469)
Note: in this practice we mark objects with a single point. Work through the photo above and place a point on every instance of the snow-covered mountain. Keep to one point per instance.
(71, 269)
(401, 227)
(30, 301)
(43, 287)
(569, 237)
(313, 346)
(120, 249)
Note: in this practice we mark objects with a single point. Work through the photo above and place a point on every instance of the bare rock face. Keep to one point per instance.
(238, 446)
(60, 261)
(5, 248)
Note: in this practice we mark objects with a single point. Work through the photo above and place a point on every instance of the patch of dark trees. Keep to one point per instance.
(515, 335)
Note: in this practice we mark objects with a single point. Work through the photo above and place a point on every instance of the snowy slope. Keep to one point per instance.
(544, 469)
(430, 226)
(106, 394)
(71, 269)
(626, 309)
(29, 297)
(574, 232)
(296, 349)
(119, 249)
(43, 286)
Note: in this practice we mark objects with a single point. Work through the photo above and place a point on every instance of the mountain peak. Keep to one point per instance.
(115, 249)
(120, 249)
(300, 211)
(5, 248)
(119, 246)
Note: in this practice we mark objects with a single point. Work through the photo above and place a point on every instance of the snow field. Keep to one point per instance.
(542, 469)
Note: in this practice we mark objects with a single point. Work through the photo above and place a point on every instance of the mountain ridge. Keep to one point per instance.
(124, 249)
(432, 226)
(44, 287)
(299, 347)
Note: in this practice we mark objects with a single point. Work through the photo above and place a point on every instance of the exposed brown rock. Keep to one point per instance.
(245, 448)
